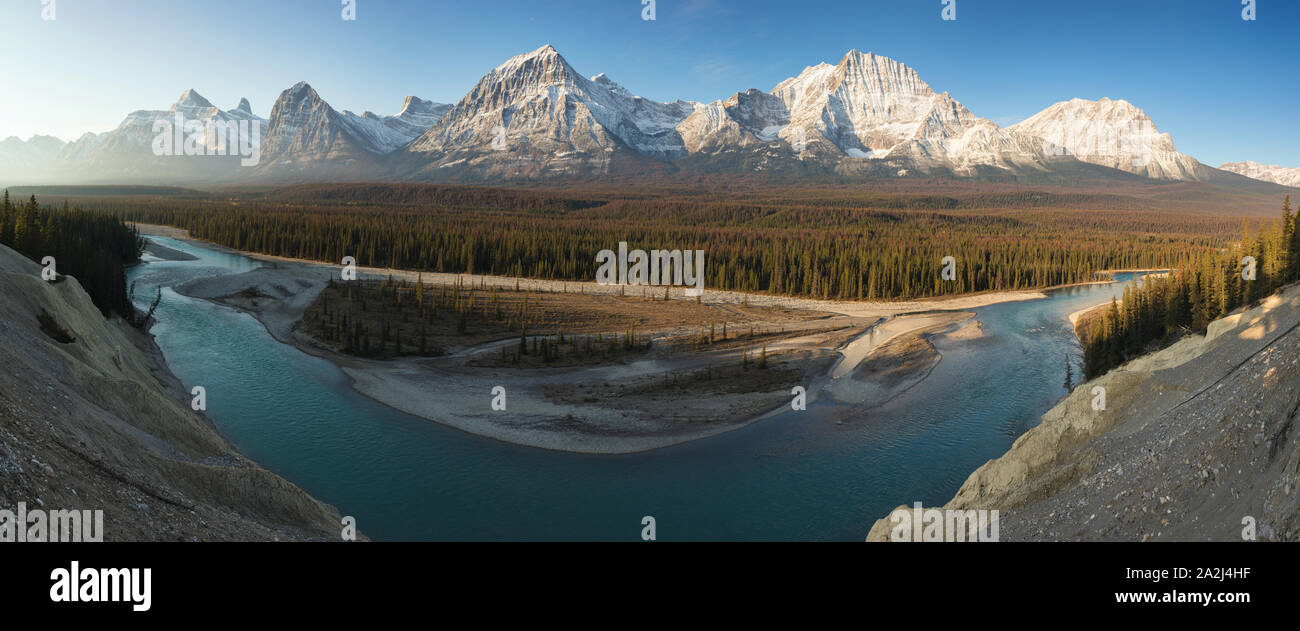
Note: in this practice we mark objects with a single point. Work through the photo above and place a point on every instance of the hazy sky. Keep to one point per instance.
(1225, 88)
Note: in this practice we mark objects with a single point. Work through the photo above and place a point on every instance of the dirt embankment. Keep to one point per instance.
(1197, 441)
(97, 422)
(1086, 321)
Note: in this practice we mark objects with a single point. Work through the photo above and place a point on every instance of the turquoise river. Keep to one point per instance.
(824, 474)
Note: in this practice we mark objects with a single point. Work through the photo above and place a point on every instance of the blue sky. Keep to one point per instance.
(1225, 88)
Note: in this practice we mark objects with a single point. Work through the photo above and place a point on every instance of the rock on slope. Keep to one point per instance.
(99, 423)
(1193, 439)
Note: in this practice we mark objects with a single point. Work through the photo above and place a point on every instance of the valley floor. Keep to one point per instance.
(864, 353)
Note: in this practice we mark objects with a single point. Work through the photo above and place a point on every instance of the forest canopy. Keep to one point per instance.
(92, 247)
(774, 246)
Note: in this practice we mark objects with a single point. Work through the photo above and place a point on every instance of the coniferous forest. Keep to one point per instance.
(1204, 288)
(92, 247)
(835, 251)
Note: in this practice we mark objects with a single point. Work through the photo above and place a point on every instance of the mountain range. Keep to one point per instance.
(1286, 176)
(535, 118)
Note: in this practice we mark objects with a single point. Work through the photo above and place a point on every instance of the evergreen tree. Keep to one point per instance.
(1202, 288)
(92, 247)
(28, 231)
(1291, 240)
(7, 222)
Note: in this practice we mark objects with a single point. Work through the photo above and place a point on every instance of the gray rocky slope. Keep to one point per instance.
(100, 424)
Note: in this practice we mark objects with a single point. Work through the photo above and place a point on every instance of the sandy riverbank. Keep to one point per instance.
(662, 398)
(901, 355)
(164, 253)
(1074, 317)
(1077, 315)
(1085, 320)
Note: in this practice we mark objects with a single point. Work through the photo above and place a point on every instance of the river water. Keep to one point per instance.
(824, 474)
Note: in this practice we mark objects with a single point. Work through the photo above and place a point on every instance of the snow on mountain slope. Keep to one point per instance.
(384, 134)
(535, 117)
(866, 106)
(746, 118)
(1116, 134)
(865, 103)
(1286, 176)
(536, 108)
(77, 150)
(416, 117)
(19, 157)
(127, 150)
(304, 131)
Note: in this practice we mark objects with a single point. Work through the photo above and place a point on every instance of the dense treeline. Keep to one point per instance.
(92, 247)
(845, 253)
(961, 201)
(1203, 288)
(427, 194)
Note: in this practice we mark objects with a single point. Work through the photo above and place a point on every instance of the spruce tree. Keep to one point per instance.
(7, 222)
(27, 230)
(1290, 241)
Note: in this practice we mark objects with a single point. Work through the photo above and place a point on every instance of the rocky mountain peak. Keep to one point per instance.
(190, 100)
(1113, 133)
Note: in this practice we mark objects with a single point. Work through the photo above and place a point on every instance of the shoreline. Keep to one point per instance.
(401, 384)
(1075, 316)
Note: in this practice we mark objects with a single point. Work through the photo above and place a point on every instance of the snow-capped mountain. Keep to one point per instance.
(19, 157)
(868, 107)
(535, 114)
(128, 150)
(535, 117)
(1116, 134)
(384, 134)
(1286, 176)
(305, 133)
